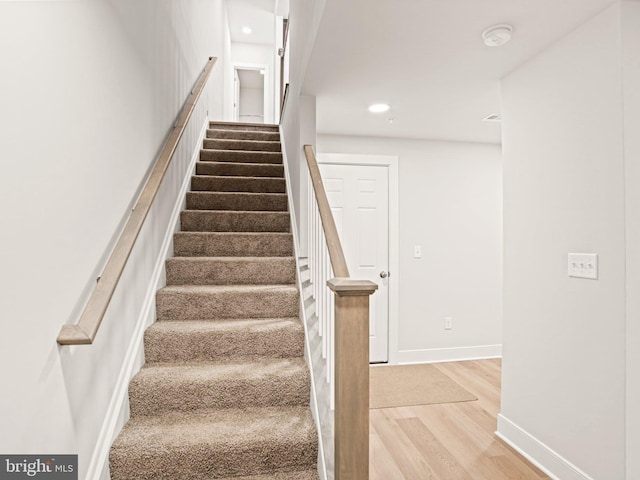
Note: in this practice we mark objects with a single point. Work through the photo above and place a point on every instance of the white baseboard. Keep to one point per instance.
(543, 457)
(456, 354)
(118, 411)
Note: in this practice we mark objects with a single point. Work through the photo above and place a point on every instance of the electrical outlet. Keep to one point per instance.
(448, 323)
(583, 265)
(417, 251)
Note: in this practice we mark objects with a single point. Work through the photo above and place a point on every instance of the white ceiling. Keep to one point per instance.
(427, 60)
(256, 14)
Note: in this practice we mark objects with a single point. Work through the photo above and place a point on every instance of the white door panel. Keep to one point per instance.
(359, 198)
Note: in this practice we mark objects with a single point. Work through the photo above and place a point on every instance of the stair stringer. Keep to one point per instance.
(118, 411)
(308, 356)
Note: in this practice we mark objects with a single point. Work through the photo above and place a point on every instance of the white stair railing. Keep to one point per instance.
(320, 273)
(342, 312)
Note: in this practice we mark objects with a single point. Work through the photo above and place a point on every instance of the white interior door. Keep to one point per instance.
(236, 95)
(359, 198)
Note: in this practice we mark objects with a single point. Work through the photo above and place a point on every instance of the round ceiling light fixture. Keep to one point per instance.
(246, 30)
(379, 108)
(497, 35)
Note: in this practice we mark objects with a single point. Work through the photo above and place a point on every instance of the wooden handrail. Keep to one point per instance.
(338, 262)
(84, 332)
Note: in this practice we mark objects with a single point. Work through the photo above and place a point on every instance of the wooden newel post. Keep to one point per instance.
(351, 377)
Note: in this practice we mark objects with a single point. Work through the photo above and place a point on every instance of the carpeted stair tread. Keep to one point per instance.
(241, 201)
(237, 184)
(240, 156)
(259, 127)
(245, 145)
(243, 134)
(215, 444)
(231, 270)
(195, 302)
(217, 340)
(225, 389)
(187, 387)
(234, 221)
(240, 169)
(219, 244)
(298, 475)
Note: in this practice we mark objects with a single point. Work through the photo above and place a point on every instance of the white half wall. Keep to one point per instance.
(307, 120)
(563, 386)
(298, 116)
(89, 91)
(450, 202)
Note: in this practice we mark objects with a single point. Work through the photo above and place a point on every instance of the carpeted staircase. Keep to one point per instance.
(224, 392)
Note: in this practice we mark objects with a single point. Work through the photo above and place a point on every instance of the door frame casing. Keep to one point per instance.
(235, 101)
(391, 162)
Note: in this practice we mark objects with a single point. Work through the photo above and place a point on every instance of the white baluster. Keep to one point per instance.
(332, 374)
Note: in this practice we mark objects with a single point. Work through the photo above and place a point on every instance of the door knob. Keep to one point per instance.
(384, 274)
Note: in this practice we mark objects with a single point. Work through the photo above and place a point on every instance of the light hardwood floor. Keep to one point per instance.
(453, 441)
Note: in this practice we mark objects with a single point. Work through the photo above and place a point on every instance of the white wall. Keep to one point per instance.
(304, 18)
(89, 91)
(307, 121)
(631, 80)
(249, 54)
(451, 205)
(563, 390)
(228, 72)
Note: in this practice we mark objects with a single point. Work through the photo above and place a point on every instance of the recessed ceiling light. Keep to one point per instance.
(247, 30)
(379, 108)
(497, 35)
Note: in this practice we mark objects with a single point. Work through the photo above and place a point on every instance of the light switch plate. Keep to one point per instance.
(417, 251)
(583, 265)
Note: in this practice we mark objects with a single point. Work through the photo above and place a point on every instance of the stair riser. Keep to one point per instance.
(243, 135)
(243, 145)
(252, 127)
(232, 245)
(208, 462)
(211, 464)
(236, 201)
(203, 221)
(240, 157)
(238, 184)
(298, 475)
(149, 397)
(239, 169)
(283, 340)
(267, 303)
(182, 271)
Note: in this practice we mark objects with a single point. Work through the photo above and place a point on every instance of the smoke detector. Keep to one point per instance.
(497, 35)
(494, 117)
